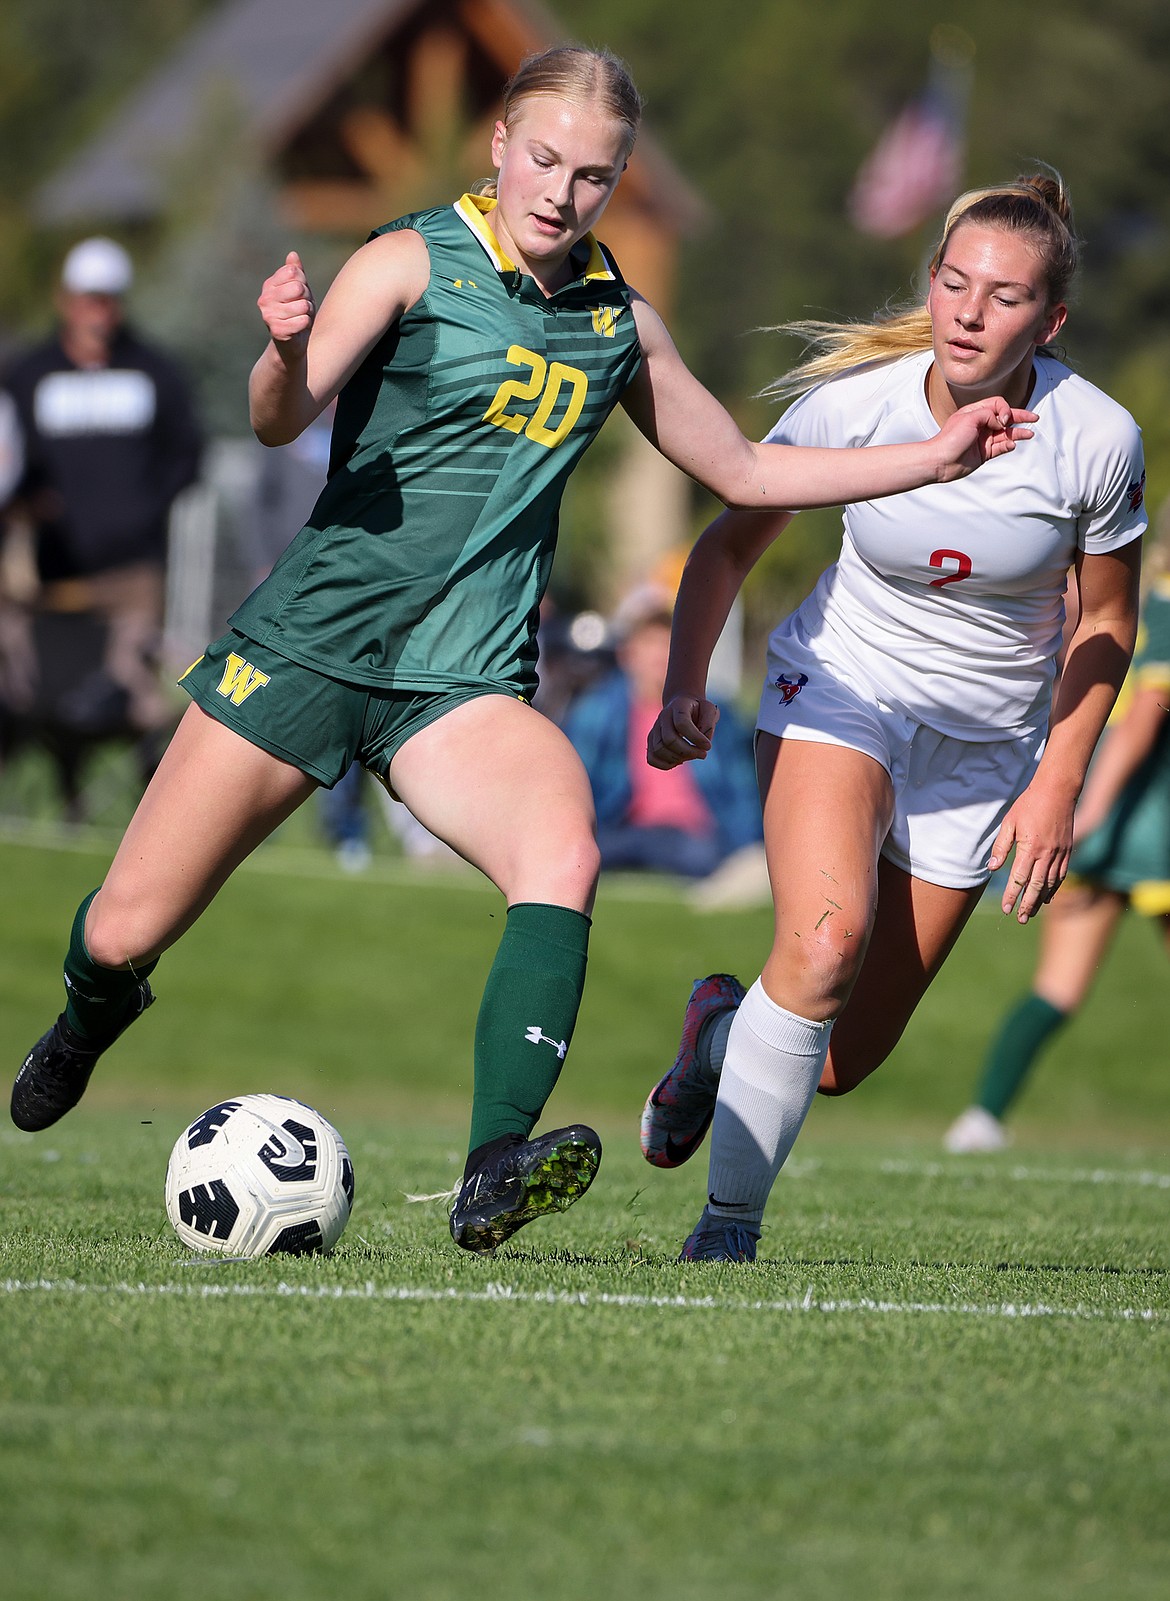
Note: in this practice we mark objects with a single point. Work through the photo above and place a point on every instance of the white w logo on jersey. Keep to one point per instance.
(536, 1036)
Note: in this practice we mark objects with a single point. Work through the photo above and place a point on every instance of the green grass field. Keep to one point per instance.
(945, 1378)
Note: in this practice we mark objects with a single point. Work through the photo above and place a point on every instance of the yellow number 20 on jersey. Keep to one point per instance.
(543, 384)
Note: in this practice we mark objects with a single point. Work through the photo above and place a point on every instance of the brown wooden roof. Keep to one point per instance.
(353, 104)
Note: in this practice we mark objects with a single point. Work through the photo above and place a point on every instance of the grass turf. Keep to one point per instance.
(947, 1377)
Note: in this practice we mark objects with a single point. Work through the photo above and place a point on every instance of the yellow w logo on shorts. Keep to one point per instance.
(604, 318)
(239, 679)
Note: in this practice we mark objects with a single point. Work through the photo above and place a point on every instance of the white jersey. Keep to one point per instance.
(946, 602)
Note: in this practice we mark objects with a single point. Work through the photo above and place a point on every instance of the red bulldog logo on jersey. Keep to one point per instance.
(790, 688)
(1136, 493)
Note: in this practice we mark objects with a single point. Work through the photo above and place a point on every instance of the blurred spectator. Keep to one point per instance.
(107, 437)
(689, 821)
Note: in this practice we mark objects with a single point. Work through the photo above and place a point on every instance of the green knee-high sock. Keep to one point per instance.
(97, 997)
(526, 1018)
(1023, 1033)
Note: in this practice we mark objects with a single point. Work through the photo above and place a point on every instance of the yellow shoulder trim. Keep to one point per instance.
(598, 265)
(475, 209)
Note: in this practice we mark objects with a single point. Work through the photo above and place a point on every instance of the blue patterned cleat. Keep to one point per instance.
(521, 1182)
(720, 1239)
(680, 1106)
(55, 1072)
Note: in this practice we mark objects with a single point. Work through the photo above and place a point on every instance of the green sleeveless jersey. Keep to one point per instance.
(426, 556)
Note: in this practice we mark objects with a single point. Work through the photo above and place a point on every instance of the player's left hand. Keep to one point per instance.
(683, 732)
(976, 433)
(1039, 827)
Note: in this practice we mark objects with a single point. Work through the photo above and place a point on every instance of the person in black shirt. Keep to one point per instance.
(108, 437)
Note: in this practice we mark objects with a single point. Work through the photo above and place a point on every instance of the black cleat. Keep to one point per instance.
(56, 1070)
(522, 1182)
(680, 1107)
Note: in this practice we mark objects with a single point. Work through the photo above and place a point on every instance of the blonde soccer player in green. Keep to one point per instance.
(474, 350)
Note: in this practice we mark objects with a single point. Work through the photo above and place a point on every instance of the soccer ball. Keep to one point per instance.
(258, 1175)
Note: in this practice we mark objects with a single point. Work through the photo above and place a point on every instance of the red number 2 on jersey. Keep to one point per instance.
(962, 567)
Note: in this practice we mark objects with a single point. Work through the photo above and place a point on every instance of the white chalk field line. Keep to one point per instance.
(811, 1303)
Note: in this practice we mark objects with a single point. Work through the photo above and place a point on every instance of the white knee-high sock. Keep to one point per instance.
(770, 1074)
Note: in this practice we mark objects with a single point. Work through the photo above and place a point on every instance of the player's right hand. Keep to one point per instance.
(683, 731)
(286, 304)
(978, 432)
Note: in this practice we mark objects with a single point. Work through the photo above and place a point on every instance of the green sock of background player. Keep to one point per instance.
(526, 1019)
(97, 997)
(1024, 1032)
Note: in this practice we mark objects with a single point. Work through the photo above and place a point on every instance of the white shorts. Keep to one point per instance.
(950, 795)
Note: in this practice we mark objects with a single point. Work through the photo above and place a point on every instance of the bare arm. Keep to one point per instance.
(1040, 824)
(312, 353)
(714, 573)
(689, 426)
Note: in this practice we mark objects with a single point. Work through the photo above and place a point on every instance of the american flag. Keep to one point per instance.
(912, 172)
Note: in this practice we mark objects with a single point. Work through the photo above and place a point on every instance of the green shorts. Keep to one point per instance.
(1129, 852)
(318, 724)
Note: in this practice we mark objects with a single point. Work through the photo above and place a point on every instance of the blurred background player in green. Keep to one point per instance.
(1121, 859)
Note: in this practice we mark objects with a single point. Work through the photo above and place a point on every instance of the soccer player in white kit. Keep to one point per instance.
(908, 740)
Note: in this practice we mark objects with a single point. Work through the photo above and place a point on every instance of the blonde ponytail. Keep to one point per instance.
(840, 346)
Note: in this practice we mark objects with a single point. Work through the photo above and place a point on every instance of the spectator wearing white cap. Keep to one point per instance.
(108, 438)
(97, 267)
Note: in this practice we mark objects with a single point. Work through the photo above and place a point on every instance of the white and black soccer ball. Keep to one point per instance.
(257, 1175)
